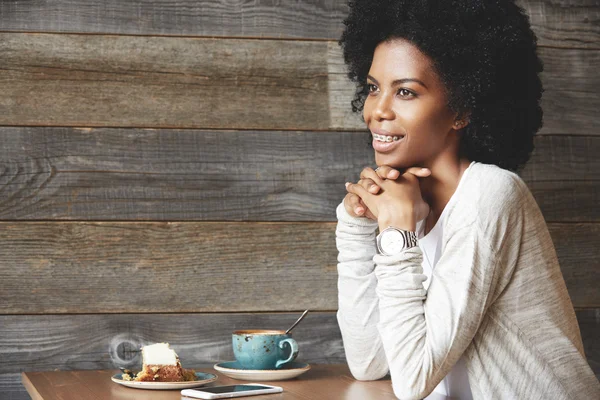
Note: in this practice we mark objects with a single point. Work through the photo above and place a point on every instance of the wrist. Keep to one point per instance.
(406, 222)
(344, 216)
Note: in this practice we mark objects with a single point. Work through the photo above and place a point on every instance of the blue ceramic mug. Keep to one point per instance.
(263, 349)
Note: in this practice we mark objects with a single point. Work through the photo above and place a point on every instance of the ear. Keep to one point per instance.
(461, 120)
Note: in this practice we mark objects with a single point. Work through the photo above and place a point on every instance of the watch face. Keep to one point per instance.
(392, 241)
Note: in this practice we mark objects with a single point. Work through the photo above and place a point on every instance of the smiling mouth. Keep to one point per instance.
(386, 138)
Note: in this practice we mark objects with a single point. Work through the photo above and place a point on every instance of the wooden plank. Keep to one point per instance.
(581, 273)
(549, 163)
(564, 23)
(124, 174)
(246, 266)
(341, 92)
(315, 19)
(564, 176)
(561, 201)
(571, 84)
(106, 341)
(570, 101)
(589, 325)
(71, 342)
(11, 387)
(106, 174)
(92, 80)
(108, 267)
(557, 23)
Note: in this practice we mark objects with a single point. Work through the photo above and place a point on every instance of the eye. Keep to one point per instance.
(405, 93)
(371, 88)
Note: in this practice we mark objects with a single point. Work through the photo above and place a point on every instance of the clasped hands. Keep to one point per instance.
(388, 196)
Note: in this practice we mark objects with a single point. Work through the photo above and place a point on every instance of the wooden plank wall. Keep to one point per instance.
(169, 171)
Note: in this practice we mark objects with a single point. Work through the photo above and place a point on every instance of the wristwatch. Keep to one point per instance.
(392, 241)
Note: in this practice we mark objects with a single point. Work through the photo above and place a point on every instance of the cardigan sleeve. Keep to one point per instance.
(358, 312)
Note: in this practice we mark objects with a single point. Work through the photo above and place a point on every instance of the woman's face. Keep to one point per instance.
(406, 108)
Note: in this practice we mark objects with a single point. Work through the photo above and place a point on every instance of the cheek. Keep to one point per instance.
(366, 113)
(427, 121)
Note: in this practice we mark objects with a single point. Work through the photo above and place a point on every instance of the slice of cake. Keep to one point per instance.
(161, 364)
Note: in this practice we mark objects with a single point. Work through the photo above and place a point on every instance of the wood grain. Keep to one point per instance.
(108, 341)
(100, 80)
(558, 23)
(581, 273)
(565, 178)
(141, 174)
(220, 266)
(107, 267)
(314, 19)
(589, 325)
(92, 80)
(571, 83)
(11, 387)
(58, 173)
(564, 23)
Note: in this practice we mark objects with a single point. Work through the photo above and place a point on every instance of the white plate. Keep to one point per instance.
(233, 370)
(201, 379)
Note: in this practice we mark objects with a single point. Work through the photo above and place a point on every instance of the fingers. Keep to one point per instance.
(387, 172)
(370, 185)
(419, 172)
(359, 191)
(370, 215)
(354, 205)
(369, 173)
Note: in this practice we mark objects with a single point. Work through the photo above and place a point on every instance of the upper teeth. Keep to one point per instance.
(384, 138)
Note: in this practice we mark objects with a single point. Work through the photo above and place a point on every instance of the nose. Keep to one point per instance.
(382, 109)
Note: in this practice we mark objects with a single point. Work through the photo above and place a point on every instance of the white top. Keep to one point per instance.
(496, 298)
(455, 385)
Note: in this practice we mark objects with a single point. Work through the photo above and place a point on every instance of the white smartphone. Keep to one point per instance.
(229, 391)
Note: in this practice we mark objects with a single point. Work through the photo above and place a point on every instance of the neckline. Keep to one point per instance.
(421, 224)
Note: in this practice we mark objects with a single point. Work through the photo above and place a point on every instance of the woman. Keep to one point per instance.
(461, 291)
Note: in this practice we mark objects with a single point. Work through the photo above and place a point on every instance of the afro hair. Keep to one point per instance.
(484, 52)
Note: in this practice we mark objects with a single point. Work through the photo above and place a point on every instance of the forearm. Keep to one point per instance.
(358, 312)
(402, 324)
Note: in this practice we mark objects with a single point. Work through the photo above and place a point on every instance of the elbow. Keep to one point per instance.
(366, 374)
(404, 393)
(361, 373)
(407, 391)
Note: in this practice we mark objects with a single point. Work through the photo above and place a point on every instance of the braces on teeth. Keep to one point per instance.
(383, 138)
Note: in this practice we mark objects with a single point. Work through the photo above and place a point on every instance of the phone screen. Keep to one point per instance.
(233, 388)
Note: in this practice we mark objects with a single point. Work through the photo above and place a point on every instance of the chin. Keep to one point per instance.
(392, 161)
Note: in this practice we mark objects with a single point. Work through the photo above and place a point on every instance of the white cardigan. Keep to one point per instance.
(497, 296)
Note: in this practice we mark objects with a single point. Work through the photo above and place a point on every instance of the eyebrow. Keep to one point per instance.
(399, 81)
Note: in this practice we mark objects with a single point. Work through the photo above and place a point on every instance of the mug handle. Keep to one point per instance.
(293, 353)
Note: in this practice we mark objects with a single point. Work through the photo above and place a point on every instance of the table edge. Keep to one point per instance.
(30, 388)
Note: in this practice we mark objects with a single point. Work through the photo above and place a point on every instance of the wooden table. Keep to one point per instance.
(321, 382)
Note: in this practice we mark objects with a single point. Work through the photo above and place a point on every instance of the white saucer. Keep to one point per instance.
(201, 379)
(233, 370)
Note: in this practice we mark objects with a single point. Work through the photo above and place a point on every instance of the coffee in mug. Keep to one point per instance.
(263, 349)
